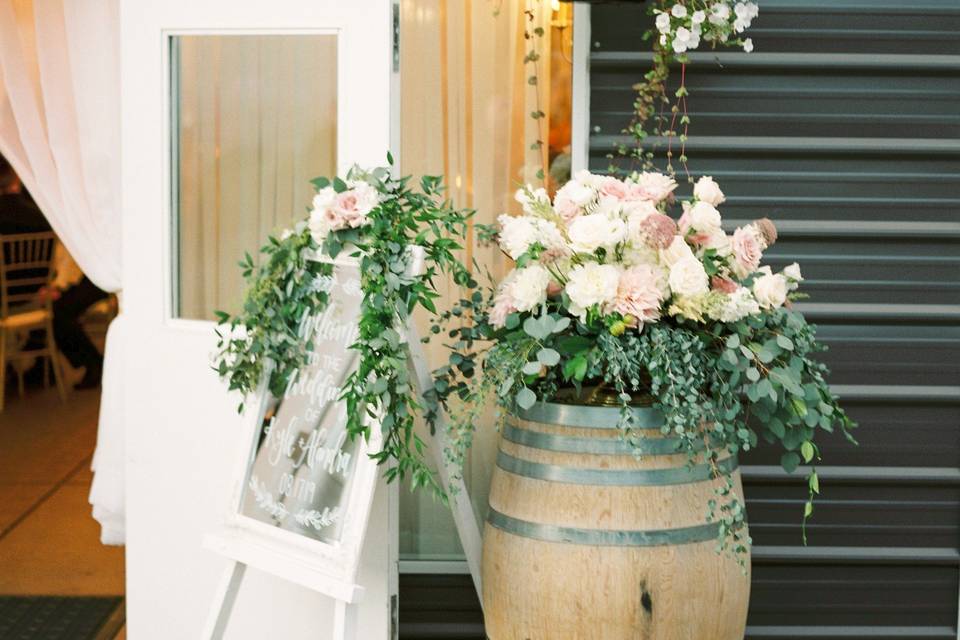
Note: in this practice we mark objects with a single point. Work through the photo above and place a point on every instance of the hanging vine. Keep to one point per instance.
(679, 27)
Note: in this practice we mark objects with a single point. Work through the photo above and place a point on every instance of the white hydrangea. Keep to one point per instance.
(590, 232)
(591, 284)
(736, 306)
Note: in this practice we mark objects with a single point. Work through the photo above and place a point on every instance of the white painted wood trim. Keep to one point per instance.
(224, 600)
(460, 505)
(580, 116)
(435, 567)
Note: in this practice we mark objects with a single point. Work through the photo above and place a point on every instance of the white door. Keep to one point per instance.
(228, 106)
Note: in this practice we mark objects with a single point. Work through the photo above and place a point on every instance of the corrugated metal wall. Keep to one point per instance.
(843, 127)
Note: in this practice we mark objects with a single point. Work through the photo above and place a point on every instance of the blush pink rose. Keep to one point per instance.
(659, 230)
(614, 188)
(747, 251)
(566, 208)
(638, 295)
(502, 307)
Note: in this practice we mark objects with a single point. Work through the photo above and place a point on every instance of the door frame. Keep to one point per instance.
(181, 423)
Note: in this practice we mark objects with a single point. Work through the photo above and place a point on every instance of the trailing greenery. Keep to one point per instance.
(661, 115)
(723, 385)
(283, 291)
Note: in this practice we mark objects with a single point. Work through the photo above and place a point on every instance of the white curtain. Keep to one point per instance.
(60, 129)
(466, 105)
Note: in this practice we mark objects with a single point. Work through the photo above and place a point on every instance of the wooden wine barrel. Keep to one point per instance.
(586, 541)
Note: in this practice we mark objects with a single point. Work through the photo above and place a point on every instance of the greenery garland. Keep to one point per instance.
(282, 292)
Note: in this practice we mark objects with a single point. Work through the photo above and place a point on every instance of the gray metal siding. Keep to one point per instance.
(844, 128)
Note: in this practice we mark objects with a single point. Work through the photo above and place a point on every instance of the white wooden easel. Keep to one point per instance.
(380, 538)
(346, 601)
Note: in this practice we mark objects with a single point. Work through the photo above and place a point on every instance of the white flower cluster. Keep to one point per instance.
(347, 209)
(607, 246)
(685, 24)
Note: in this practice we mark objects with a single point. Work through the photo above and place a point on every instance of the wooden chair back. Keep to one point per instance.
(26, 265)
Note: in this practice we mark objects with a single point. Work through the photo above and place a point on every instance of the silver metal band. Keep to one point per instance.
(611, 477)
(603, 537)
(590, 417)
(653, 446)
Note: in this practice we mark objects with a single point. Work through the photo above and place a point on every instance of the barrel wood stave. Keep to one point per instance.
(627, 559)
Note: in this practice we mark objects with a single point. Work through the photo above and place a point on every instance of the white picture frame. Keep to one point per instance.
(329, 568)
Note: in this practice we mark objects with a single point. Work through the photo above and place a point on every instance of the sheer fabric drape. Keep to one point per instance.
(60, 129)
(466, 105)
(257, 120)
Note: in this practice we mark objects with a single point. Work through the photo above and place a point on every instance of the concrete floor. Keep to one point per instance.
(49, 543)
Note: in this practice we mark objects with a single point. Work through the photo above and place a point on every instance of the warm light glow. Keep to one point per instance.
(457, 182)
(555, 5)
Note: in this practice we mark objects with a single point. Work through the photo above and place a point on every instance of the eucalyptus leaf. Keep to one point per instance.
(526, 398)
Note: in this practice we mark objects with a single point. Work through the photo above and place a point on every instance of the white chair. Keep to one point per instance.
(26, 261)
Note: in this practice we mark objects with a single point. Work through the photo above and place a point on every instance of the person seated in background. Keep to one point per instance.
(72, 294)
(18, 213)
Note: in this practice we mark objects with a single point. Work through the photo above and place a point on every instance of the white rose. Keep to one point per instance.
(324, 198)
(748, 45)
(367, 196)
(770, 290)
(718, 241)
(792, 273)
(528, 287)
(654, 186)
(592, 284)
(577, 193)
(679, 11)
(517, 234)
(590, 232)
(698, 17)
(706, 190)
(689, 278)
(677, 251)
(704, 218)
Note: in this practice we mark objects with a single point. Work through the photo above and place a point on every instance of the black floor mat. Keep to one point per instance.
(60, 618)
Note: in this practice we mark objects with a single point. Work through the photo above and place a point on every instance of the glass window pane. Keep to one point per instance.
(254, 119)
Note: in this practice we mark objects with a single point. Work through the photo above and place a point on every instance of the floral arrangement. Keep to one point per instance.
(613, 300)
(376, 218)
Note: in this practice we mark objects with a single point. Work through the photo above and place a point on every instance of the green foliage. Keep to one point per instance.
(721, 387)
(282, 293)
